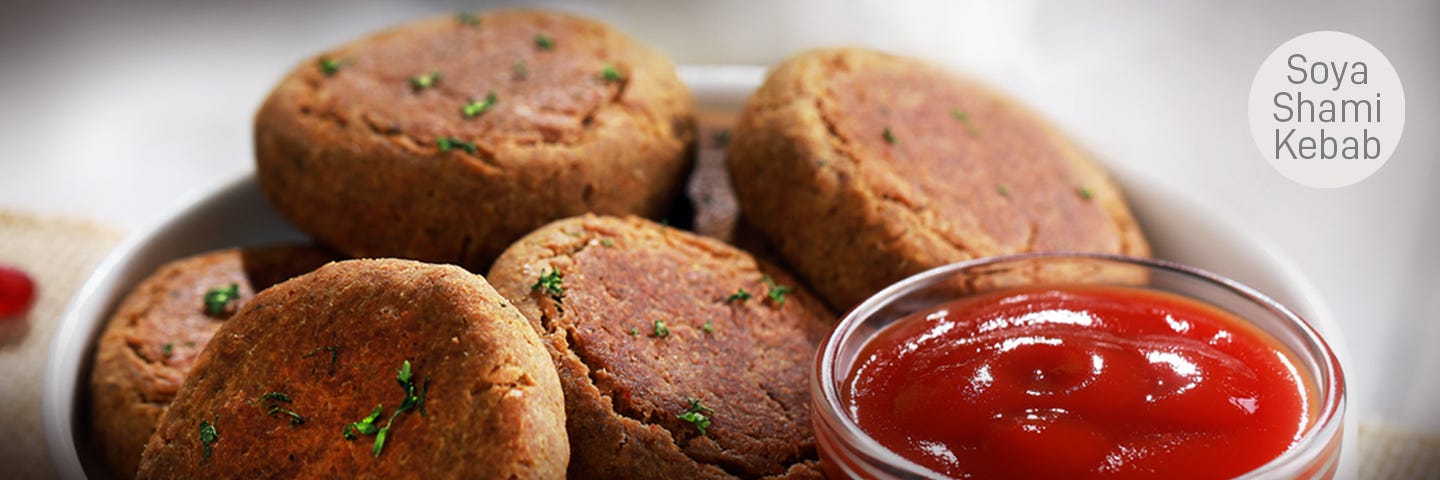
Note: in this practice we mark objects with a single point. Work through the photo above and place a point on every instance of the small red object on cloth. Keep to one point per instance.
(17, 293)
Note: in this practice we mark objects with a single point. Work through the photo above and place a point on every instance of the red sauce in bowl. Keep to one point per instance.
(1079, 382)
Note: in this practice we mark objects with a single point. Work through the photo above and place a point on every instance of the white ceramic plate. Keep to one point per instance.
(235, 214)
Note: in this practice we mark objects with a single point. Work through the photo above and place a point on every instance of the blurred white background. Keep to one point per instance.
(116, 110)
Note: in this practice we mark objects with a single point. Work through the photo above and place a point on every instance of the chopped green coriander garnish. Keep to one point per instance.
(420, 400)
(208, 434)
(708, 328)
(366, 426)
(165, 350)
(218, 299)
(610, 75)
(634, 331)
(403, 375)
(273, 400)
(775, 291)
(520, 70)
(695, 414)
(965, 118)
(329, 66)
(414, 399)
(544, 42)
(467, 19)
(380, 438)
(889, 136)
(661, 331)
(295, 418)
(334, 355)
(1003, 190)
(740, 294)
(446, 144)
(476, 107)
(607, 242)
(425, 80)
(1084, 193)
(550, 283)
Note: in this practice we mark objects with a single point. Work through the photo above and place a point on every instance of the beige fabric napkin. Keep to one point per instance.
(1389, 451)
(60, 253)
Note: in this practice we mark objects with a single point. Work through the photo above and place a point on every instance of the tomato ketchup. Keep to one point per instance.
(1079, 382)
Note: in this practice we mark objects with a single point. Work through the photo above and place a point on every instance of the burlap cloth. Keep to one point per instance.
(60, 253)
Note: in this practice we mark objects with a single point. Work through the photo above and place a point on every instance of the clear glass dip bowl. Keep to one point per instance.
(848, 452)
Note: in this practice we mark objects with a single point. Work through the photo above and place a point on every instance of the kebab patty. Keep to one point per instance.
(863, 168)
(373, 369)
(161, 326)
(446, 139)
(680, 356)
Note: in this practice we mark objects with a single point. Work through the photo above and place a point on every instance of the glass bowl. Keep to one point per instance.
(848, 452)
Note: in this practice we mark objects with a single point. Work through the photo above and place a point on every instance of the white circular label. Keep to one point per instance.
(1327, 109)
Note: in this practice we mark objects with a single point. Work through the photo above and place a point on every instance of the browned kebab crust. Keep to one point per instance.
(152, 339)
(626, 384)
(352, 157)
(333, 341)
(863, 168)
